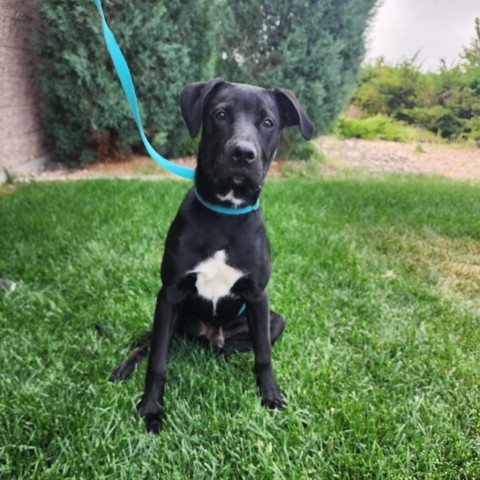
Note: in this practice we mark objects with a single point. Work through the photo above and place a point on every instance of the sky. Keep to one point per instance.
(435, 28)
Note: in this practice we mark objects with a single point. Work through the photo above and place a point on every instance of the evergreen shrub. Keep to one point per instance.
(313, 48)
(86, 114)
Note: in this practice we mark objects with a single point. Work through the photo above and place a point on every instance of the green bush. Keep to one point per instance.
(437, 119)
(472, 130)
(378, 127)
(445, 102)
(313, 48)
(86, 114)
(388, 89)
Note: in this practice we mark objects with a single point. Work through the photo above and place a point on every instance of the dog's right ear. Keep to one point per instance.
(192, 99)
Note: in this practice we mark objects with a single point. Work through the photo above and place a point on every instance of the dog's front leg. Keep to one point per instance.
(258, 315)
(151, 403)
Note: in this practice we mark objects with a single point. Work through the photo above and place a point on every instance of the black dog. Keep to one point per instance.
(216, 265)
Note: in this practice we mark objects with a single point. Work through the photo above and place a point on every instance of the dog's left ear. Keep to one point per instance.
(192, 98)
(292, 113)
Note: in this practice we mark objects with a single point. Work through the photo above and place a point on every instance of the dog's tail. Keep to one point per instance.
(124, 370)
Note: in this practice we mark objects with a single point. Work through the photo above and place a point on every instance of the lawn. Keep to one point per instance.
(379, 279)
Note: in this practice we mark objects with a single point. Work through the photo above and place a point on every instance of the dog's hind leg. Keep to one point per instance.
(277, 325)
(238, 339)
(235, 337)
(124, 370)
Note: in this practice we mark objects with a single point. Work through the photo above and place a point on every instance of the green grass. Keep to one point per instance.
(379, 362)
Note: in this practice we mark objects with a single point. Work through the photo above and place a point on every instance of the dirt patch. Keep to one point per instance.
(452, 264)
(378, 156)
(134, 167)
(343, 156)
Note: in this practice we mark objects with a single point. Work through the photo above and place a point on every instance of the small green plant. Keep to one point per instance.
(10, 178)
(419, 149)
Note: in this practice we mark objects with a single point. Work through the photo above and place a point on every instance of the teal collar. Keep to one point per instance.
(226, 210)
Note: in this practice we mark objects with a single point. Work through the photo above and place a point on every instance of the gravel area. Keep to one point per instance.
(378, 156)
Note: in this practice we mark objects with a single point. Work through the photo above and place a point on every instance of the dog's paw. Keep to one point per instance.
(152, 417)
(272, 398)
(153, 423)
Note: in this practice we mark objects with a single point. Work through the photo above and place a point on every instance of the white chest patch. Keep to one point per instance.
(215, 278)
(229, 197)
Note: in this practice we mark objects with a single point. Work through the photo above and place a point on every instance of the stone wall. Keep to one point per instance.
(21, 141)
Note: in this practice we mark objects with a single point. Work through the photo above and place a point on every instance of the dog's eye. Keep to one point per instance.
(267, 123)
(221, 116)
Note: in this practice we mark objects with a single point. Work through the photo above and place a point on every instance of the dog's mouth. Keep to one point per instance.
(247, 176)
(237, 180)
(236, 189)
(245, 182)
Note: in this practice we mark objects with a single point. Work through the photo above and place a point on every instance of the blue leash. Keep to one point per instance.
(126, 80)
(125, 77)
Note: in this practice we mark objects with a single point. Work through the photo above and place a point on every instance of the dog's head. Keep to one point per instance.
(241, 126)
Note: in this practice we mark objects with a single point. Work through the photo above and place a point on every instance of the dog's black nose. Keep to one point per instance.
(243, 152)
